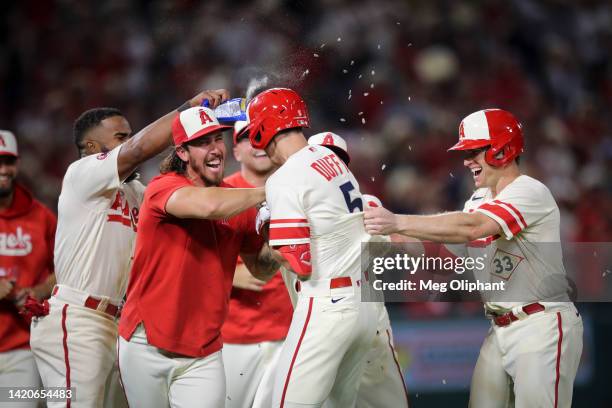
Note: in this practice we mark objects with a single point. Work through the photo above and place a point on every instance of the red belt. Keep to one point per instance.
(334, 283)
(507, 318)
(92, 303)
(110, 308)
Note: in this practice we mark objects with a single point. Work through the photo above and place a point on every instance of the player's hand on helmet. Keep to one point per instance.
(244, 280)
(6, 286)
(214, 97)
(262, 221)
(379, 221)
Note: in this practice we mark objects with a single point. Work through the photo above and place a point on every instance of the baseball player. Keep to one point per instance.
(316, 227)
(531, 353)
(75, 343)
(190, 234)
(382, 383)
(27, 231)
(259, 313)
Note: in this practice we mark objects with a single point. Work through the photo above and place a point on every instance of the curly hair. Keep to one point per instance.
(173, 163)
(89, 120)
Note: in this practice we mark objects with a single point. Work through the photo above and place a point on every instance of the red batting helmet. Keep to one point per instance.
(496, 128)
(272, 111)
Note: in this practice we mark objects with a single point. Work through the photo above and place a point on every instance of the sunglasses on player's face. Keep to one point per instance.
(473, 153)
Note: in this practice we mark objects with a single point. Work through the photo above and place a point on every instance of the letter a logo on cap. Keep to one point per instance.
(193, 123)
(204, 117)
(329, 140)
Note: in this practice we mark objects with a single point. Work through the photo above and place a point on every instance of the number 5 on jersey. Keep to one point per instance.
(351, 203)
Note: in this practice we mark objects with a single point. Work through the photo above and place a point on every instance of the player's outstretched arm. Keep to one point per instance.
(213, 203)
(453, 227)
(154, 138)
(263, 265)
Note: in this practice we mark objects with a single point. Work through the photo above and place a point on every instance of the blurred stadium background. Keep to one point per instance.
(393, 77)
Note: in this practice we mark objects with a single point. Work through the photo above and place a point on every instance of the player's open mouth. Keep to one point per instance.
(476, 171)
(260, 154)
(214, 163)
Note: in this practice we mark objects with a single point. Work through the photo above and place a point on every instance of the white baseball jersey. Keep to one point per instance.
(97, 217)
(527, 256)
(315, 199)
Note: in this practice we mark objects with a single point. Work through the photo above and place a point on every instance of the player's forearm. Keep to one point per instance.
(454, 227)
(43, 290)
(145, 144)
(266, 265)
(213, 203)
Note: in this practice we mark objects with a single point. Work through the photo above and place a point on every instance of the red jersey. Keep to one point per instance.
(27, 233)
(255, 317)
(182, 272)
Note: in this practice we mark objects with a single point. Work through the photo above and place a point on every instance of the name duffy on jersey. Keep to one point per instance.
(15, 244)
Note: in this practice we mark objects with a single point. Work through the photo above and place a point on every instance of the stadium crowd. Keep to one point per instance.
(393, 77)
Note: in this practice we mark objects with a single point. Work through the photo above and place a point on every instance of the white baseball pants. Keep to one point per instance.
(74, 346)
(324, 354)
(530, 363)
(114, 396)
(382, 383)
(154, 378)
(18, 370)
(249, 373)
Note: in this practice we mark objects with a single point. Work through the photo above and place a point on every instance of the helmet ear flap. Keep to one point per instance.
(493, 158)
(490, 156)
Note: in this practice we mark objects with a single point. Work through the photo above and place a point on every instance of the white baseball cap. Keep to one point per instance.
(240, 130)
(331, 140)
(8, 144)
(194, 123)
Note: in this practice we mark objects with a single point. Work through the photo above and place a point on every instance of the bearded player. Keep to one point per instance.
(180, 281)
(316, 226)
(382, 383)
(74, 342)
(531, 353)
(259, 312)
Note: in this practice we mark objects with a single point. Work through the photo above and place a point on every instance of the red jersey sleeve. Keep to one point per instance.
(161, 188)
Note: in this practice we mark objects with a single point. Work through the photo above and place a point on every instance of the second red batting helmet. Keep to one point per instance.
(272, 111)
(496, 128)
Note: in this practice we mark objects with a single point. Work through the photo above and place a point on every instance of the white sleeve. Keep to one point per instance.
(518, 206)
(94, 175)
(288, 222)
